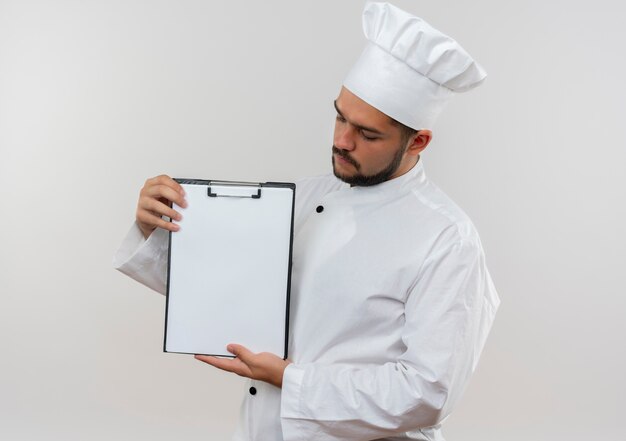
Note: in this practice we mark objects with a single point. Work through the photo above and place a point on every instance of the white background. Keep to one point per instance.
(97, 96)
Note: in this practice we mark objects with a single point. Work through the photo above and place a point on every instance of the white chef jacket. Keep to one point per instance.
(391, 304)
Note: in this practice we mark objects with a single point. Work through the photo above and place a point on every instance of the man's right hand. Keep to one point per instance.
(154, 201)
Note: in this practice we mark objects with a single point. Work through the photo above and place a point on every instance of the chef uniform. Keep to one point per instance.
(391, 299)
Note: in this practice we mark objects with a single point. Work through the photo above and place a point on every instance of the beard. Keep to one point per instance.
(360, 180)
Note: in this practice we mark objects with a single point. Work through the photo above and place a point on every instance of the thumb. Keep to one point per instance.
(239, 351)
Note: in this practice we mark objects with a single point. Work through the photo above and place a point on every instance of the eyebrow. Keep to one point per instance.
(358, 126)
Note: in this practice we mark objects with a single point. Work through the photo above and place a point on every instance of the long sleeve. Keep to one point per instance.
(144, 260)
(448, 314)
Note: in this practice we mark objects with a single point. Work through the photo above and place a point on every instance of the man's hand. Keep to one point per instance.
(264, 366)
(154, 201)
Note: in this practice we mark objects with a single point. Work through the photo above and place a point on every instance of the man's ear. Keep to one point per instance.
(419, 141)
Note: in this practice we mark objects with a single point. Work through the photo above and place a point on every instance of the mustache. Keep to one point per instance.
(346, 156)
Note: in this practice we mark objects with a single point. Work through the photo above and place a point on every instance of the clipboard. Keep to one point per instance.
(229, 268)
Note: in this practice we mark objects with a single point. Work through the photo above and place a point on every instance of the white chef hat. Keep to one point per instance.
(409, 69)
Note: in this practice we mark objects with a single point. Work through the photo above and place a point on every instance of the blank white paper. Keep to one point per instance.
(229, 271)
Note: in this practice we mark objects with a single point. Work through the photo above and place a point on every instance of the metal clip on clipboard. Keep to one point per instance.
(233, 186)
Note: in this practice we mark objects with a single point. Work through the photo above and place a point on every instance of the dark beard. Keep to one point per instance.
(360, 180)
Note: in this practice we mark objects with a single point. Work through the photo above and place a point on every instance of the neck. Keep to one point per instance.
(405, 167)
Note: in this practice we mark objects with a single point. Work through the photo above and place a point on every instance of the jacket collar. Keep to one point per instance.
(390, 189)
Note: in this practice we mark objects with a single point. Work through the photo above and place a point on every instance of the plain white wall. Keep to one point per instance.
(97, 96)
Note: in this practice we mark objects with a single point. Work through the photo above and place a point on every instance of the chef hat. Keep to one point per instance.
(409, 69)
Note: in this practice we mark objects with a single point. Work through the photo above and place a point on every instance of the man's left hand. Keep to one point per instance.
(264, 366)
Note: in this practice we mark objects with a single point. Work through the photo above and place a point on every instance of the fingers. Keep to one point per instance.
(238, 365)
(149, 212)
(166, 181)
(240, 352)
(263, 366)
(154, 200)
(221, 363)
(234, 365)
(159, 191)
(158, 208)
(156, 190)
(150, 221)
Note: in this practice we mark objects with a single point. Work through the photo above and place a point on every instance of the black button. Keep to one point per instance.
(253, 390)
(319, 209)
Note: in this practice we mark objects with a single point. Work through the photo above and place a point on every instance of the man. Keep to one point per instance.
(391, 299)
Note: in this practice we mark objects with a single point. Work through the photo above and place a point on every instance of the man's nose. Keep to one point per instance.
(344, 138)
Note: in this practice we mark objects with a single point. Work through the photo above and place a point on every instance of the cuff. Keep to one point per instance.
(131, 243)
(291, 391)
(144, 260)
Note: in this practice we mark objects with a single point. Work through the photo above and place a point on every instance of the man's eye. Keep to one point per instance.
(367, 137)
(341, 118)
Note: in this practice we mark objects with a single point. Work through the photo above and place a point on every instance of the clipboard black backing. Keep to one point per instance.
(233, 245)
